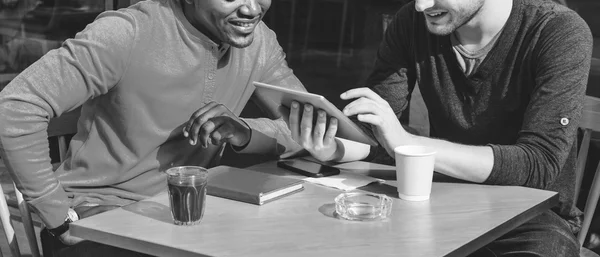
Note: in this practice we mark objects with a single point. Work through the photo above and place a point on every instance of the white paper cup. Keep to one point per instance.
(414, 171)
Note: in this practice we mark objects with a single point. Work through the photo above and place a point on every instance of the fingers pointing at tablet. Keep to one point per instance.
(309, 127)
(317, 137)
(370, 108)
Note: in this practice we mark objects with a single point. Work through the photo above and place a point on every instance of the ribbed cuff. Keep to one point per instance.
(495, 177)
(52, 207)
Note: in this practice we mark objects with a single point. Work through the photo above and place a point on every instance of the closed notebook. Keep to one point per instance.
(249, 186)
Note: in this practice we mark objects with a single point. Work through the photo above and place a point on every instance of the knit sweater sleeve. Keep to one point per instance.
(84, 67)
(561, 68)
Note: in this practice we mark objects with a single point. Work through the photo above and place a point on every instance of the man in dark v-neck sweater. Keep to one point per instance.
(503, 82)
(520, 95)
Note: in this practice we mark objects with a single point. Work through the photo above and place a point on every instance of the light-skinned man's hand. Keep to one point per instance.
(216, 124)
(319, 140)
(374, 110)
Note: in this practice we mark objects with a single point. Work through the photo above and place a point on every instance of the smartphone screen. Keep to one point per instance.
(308, 168)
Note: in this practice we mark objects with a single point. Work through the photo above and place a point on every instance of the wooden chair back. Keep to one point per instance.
(9, 231)
(590, 122)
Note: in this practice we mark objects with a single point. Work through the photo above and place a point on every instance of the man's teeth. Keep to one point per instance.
(243, 24)
(435, 14)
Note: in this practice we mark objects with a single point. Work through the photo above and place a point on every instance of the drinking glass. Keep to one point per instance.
(187, 193)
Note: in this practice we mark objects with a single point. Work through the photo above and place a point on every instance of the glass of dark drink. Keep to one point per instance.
(187, 193)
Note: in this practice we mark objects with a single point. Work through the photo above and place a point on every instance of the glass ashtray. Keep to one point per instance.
(363, 206)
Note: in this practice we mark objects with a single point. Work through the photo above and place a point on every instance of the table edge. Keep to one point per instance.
(127, 242)
(502, 229)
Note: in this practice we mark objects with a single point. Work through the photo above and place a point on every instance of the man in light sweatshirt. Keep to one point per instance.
(161, 84)
(504, 83)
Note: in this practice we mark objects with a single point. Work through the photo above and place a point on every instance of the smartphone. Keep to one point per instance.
(308, 168)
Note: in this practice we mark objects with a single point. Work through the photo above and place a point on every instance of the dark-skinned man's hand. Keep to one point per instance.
(216, 124)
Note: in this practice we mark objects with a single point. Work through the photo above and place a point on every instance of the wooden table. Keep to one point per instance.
(458, 219)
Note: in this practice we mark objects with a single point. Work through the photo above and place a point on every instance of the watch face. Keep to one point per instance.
(72, 215)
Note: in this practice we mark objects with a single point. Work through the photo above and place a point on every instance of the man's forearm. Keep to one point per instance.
(471, 163)
(24, 149)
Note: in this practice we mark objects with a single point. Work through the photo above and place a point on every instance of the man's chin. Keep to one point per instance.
(440, 30)
(241, 42)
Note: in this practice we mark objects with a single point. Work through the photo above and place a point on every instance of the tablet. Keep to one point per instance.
(347, 129)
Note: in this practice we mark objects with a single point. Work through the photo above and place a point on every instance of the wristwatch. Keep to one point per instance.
(71, 217)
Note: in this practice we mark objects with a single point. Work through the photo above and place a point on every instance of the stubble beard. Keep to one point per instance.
(457, 20)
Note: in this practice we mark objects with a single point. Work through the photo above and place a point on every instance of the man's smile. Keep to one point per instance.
(244, 26)
(435, 16)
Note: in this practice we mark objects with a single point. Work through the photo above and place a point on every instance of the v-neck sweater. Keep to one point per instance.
(470, 60)
(524, 100)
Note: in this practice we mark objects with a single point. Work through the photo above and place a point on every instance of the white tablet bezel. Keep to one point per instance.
(347, 129)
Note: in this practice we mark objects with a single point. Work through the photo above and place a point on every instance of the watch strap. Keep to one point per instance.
(71, 217)
(57, 231)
